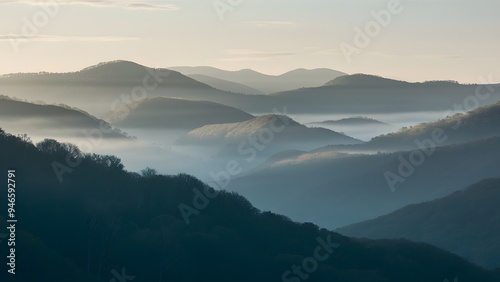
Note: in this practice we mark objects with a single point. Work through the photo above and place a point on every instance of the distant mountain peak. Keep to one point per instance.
(294, 79)
(248, 70)
(117, 68)
(361, 79)
(127, 72)
(244, 128)
(304, 71)
(356, 120)
(115, 62)
(265, 119)
(283, 127)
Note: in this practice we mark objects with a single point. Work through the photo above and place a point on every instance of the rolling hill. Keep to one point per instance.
(281, 131)
(480, 123)
(336, 189)
(104, 87)
(353, 121)
(52, 121)
(465, 223)
(294, 79)
(366, 94)
(101, 88)
(93, 135)
(106, 74)
(365, 80)
(251, 142)
(111, 73)
(226, 85)
(177, 114)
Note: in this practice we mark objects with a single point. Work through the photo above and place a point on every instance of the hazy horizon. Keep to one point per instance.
(422, 41)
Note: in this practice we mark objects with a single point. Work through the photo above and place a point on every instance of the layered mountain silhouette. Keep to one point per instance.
(366, 94)
(481, 123)
(104, 87)
(251, 142)
(101, 88)
(267, 83)
(359, 127)
(277, 130)
(128, 225)
(108, 73)
(336, 189)
(465, 223)
(365, 80)
(170, 113)
(70, 125)
(226, 85)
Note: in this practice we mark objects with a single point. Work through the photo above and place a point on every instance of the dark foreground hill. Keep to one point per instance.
(102, 223)
(465, 222)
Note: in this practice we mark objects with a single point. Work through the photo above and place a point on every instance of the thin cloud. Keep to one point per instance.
(329, 52)
(145, 5)
(452, 57)
(272, 23)
(424, 56)
(63, 38)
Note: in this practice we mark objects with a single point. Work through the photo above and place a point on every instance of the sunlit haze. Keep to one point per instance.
(427, 40)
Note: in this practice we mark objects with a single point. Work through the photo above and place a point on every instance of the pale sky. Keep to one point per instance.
(425, 40)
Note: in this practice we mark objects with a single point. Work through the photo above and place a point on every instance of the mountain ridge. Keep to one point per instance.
(51, 118)
(294, 79)
(464, 222)
(174, 113)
